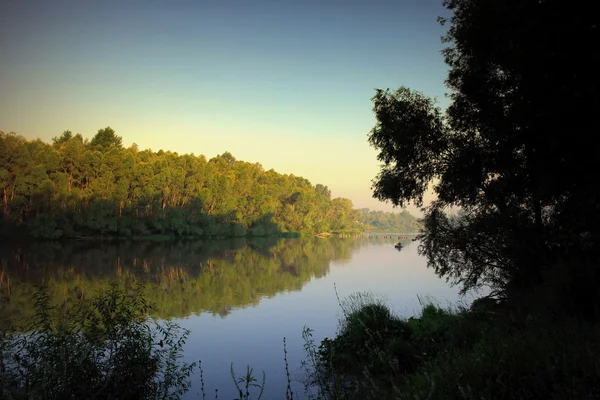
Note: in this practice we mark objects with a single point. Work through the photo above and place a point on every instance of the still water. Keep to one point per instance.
(239, 298)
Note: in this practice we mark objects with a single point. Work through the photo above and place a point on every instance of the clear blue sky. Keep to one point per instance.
(284, 83)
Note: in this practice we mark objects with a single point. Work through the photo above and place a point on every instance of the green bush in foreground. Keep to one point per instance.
(106, 348)
(454, 354)
(369, 337)
(537, 361)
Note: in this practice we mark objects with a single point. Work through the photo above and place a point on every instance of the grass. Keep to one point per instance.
(476, 353)
(534, 362)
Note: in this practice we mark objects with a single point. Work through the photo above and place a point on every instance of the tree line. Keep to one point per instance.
(78, 187)
(381, 221)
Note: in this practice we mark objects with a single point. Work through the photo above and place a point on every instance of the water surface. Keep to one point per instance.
(239, 298)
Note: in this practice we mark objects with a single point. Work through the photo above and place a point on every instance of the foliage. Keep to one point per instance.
(380, 221)
(509, 151)
(106, 139)
(248, 381)
(484, 352)
(370, 338)
(76, 188)
(541, 360)
(374, 349)
(103, 348)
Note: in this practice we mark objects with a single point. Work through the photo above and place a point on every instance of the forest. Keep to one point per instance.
(381, 221)
(75, 187)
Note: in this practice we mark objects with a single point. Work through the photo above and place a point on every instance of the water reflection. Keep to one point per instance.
(182, 278)
(239, 298)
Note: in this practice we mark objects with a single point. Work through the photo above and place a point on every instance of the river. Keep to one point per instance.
(239, 298)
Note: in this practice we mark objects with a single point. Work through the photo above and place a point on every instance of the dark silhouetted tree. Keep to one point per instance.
(515, 150)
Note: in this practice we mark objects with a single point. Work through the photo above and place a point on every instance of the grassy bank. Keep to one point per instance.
(484, 352)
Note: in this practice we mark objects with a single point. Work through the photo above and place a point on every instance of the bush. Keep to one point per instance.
(44, 227)
(540, 361)
(105, 348)
(238, 230)
(459, 354)
(368, 331)
(372, 342)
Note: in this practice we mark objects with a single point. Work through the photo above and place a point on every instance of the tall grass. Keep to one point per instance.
(476, 353)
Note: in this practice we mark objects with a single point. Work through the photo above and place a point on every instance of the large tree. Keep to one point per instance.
(515, 150)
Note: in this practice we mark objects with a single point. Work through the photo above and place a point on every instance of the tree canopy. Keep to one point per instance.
(515, 150)
(380, 221)
(76, 187)
(106, 139)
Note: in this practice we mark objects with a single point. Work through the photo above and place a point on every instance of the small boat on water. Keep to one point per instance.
(398, 245)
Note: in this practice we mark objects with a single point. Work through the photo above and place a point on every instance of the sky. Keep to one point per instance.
(287, 84)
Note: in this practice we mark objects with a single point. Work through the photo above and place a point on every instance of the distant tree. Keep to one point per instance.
(106, 139)
(227, 156)
(388, 221)
(514, 149)
(323, 190)
(57, 141)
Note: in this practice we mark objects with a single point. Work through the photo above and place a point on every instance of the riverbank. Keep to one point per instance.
(20, 235)
(487, 351)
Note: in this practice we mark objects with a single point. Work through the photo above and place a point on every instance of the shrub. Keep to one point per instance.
(456, 354)
(44, 227)
(372, 342)
(106, 348)
(539, 361)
